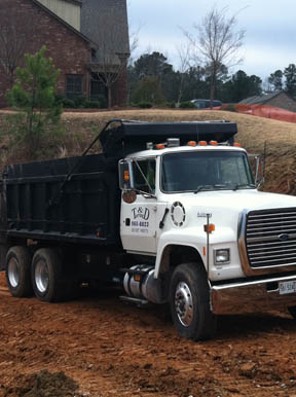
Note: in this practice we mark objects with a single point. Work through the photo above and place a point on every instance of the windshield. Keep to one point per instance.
(208, 170)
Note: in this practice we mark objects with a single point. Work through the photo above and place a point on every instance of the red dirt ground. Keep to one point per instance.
(98, 346)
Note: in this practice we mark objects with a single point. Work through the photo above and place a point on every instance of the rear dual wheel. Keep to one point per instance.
(46, 272)
(18, 274)
(41, 275)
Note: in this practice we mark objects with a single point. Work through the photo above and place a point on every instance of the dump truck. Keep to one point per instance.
(170, 212)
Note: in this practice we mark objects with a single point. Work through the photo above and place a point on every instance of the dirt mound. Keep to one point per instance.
(42, 384)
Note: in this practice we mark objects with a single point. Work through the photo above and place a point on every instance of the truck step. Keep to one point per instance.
(137, 269)
(137, 301)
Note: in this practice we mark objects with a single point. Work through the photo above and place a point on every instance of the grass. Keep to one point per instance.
(254, 134)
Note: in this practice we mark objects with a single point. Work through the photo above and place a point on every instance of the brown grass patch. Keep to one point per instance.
(254, 133)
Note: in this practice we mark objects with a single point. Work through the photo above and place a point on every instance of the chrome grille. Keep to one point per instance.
(271, 237)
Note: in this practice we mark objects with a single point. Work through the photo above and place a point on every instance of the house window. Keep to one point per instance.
(74, 86)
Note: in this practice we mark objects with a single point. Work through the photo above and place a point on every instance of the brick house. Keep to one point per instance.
(74, 33)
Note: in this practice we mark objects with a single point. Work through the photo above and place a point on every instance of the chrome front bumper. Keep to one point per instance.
(251, 296)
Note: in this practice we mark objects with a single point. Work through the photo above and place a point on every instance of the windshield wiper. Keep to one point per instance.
(203, 187)
(227, 186)
(237, 186)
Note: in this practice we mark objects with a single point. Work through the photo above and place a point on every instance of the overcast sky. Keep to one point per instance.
(270, 26)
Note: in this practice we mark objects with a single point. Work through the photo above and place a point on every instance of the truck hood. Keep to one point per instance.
(224, 207)
(238, 201)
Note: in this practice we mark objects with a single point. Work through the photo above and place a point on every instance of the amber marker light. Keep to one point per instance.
(204, 251)
(159, 146)
(203, 143)
(191, 143)
(137, 277)
(214, 143)
(209, 228)
(236, 144)
(126, 176)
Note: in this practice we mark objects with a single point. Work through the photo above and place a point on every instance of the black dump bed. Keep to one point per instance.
(72, 199)
(77, 199)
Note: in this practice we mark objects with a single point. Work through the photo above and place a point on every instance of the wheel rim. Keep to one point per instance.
(41, 276)
(13, 273)
(184, 304)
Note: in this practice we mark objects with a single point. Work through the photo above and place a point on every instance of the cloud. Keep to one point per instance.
(270, 29)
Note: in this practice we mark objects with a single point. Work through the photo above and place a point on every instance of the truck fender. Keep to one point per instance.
(165, 258)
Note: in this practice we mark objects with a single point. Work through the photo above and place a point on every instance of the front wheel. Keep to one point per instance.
(190, 302)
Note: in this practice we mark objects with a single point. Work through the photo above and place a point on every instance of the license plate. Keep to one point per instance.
(287, 287)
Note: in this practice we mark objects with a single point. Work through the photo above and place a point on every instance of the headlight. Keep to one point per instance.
(222, 256)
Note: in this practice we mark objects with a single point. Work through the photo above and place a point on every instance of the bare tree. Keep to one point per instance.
(110, 60)
(184, 50)
(15, 34)
(133, 43)
(217, 43)
(108, 71)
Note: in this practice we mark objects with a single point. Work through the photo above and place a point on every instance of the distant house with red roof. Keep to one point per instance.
(278, 99)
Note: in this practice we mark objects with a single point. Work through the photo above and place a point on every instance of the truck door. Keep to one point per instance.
(138, 218)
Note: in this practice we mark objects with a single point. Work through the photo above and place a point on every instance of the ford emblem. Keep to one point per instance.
(283, 237)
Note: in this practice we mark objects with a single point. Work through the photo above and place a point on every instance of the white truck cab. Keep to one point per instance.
(227, 247)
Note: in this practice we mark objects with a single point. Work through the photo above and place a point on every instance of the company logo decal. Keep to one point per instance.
(140, 220)
(141, 212)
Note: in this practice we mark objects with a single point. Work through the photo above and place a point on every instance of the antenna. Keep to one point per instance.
(264, 160)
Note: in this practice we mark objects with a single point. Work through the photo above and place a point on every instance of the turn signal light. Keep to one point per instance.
(209, 228)
(126, 176)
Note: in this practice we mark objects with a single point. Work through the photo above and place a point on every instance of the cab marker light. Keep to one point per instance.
(214, 143)
(191, 143)
(160, 146)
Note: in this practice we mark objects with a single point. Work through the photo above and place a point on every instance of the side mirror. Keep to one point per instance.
(126, 180)
(257, 162)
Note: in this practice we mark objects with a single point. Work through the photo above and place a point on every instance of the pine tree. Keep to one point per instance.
(33, 94)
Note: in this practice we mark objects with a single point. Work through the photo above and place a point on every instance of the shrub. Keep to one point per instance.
(187, 105)
(68, 103)
(145, 105)
(92, 104)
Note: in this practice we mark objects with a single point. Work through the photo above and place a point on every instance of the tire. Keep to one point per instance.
(190, 302)
(18, 274)
(47, 275)
(292, 311)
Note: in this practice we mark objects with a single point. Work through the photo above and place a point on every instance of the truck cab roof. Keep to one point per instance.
(158, 152)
